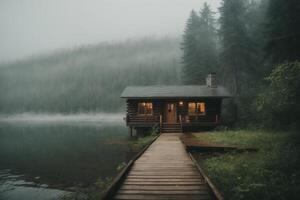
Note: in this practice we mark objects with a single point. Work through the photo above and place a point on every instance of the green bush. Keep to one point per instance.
(279, 102)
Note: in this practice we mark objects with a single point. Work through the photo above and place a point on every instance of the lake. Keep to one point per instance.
(44, 157)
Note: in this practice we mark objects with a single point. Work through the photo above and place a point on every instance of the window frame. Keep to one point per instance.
(195, 113)
(144, 108)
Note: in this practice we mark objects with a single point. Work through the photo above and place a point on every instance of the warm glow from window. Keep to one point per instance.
(181, 103)
(196, 108)
(145, 108)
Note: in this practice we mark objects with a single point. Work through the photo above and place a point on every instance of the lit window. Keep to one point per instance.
(145, 108)
(196, 108)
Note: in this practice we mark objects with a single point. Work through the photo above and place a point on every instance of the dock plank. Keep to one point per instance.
(164, 187)
(163, 197)
(164, 171)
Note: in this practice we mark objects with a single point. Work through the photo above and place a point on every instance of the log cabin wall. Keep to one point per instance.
(134, 118)
(211, 117)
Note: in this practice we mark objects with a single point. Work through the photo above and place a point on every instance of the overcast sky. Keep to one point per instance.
(29, 27)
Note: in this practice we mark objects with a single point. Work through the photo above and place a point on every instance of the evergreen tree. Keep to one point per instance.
(255, 22)
(236, 46)
(189, 47)
(283, 30)
(207, 49)
(199, 46)
(237, 56)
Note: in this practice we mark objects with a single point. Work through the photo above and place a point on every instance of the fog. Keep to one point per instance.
(41, 118)
(38, 26)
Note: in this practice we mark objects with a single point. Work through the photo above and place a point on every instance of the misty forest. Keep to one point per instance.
(88, 79)
(253, 47)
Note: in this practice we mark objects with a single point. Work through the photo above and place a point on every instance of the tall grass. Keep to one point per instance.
(271, 173)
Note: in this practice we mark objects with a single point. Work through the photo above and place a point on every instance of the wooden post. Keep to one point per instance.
(217, 119)
(130, 131)
(180, 121)
(160, 123)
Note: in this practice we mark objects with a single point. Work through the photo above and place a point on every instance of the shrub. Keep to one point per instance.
(279, 102)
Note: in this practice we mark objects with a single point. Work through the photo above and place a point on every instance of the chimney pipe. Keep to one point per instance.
(211, 80)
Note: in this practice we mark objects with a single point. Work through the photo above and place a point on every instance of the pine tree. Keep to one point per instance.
(236, 56)
(236, 46)
(283, 30)
(255, 21)
(207, 49)
(189, 46)
(199, 46)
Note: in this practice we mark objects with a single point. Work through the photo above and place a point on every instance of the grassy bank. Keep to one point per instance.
(137, 144)
(271, 173)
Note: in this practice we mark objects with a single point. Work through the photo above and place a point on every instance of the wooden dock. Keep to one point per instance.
(164, 171)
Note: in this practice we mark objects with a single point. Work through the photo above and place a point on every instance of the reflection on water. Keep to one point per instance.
(15, 187)
(43, 160)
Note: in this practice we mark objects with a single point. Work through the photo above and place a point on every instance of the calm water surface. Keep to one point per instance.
(42, 157)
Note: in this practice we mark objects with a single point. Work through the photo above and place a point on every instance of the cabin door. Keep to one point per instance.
(170, 111)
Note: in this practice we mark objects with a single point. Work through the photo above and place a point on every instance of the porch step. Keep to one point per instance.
(171, 128)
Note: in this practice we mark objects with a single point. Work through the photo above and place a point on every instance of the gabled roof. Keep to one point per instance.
(174, 91)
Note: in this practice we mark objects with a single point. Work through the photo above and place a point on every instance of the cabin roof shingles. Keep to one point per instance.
(179, 91)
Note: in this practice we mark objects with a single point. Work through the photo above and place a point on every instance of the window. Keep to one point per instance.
(145, 108)
(196, 108)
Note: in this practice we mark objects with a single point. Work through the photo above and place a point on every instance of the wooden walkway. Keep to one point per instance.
(164, 171)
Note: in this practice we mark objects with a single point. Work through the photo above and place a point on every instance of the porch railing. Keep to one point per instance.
(142, 119)
(180, 122)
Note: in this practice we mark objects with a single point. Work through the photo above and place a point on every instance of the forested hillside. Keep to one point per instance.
(87, 79)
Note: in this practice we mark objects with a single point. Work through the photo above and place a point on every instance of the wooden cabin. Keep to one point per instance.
(175, 108)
